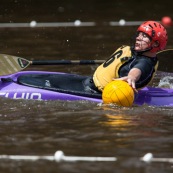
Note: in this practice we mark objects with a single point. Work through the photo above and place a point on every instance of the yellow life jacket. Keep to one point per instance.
(108, 71)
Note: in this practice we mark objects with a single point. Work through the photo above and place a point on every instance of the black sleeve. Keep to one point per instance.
(144, 65)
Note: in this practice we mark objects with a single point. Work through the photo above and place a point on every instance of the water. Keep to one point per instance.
(80, 128)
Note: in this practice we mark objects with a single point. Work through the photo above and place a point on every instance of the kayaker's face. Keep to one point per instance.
(142, 42)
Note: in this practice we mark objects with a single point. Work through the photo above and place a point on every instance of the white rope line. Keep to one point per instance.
(149, 158)
(58, 156)
(76, 23)
(122, 22)
(33, 24)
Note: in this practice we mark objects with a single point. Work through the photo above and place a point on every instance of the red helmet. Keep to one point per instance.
(156, 32)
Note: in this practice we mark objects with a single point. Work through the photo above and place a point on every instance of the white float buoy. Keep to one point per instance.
(58, 156)
(77, 22)
(122, 22)
(33, 23)
(147, 157)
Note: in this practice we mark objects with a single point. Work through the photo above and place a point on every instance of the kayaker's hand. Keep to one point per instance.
(130, 80)
(133, 76)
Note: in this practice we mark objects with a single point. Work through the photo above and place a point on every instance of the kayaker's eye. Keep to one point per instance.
(144, 35)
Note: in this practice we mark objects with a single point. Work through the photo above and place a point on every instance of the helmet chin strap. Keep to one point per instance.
(140, 52)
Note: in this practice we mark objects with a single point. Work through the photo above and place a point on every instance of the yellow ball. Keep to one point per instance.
(119, 92)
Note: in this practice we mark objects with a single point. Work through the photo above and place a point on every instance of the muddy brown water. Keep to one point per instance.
(82, 128)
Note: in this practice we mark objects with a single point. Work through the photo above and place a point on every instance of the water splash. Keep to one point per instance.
(166, 82)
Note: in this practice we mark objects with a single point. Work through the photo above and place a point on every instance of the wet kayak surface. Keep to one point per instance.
(80, 128)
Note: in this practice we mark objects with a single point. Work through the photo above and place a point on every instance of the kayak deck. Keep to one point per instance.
(66, 83)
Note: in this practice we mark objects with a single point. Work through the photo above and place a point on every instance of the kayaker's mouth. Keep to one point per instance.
(138, 45)
(141, 45)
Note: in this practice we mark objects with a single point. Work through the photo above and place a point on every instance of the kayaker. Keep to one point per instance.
(137, 64)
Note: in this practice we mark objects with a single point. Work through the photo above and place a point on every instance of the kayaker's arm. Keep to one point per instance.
(133, 76)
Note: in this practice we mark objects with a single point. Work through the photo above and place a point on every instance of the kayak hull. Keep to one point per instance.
(10, 88)
(13, 90)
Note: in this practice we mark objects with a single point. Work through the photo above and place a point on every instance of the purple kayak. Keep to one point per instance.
(40, 85)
